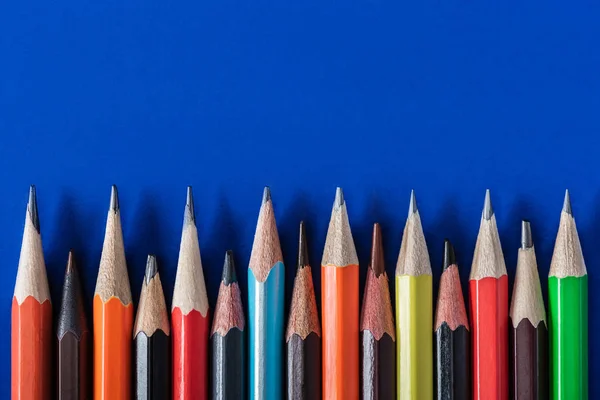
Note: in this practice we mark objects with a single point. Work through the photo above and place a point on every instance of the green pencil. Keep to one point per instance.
(568, 305)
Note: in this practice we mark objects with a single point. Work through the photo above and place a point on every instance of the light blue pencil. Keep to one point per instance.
(265, 307)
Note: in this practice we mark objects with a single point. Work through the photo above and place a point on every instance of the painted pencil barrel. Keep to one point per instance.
(568, 318)
(228, 365)
(304, 355)
(153, 359)
(265, 324)
(73, 358)
(414, 337)
(452, 353)
(529, 347)
(378, 361)
(190, 339)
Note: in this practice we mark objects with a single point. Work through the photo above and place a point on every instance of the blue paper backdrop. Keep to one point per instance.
(379, 97)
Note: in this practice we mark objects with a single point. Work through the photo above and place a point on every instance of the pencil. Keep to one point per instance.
(339, 304)
(452, 336)
(151, 337)
(568, 305)
(31, 329)
(528, 331)
(414, 312)
(228, 338)
(189, 315)
(73, 339)
(377, 332)
(113, 314)
(265, 307)
(303, 336)
(488, 294)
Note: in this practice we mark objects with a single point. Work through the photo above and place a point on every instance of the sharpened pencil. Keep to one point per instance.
(488, 295)
(189, 315)
(339, 305)
(568, 306)
(303, 336)
(113, 314)
(528, 331)
(414, 312)
(452, 336)
(265, 307)
(152, 341)
(377, 331)
(31, 329)
(74, 339)
(228, 338)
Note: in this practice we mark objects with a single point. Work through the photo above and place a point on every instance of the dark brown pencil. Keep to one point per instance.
(452, 343)
(377, 334)
(73, 339)
(227, 338)
(303, 336)
(528, 332)
(152, 341)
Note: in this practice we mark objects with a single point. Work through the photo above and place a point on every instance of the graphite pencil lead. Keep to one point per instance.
(114, 199)
(189, 205)
(488, 210)
(71, 317)
(151, 268)
(412, 206)
(567, 203)
(339, 198)
(526, 238)
(377, 257)
(302, 248)
(32, 208)
(266, 195)
(70, 262)
(229, 275)
(449, 255)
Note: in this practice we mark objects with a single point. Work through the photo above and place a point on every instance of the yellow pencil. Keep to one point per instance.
(414, 313)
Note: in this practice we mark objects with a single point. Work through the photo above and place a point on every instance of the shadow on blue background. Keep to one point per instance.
(448, 98)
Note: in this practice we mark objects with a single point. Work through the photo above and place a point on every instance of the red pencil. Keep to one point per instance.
(488, 290)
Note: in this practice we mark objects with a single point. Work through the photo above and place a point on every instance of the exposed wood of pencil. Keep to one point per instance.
(339, 279)
(528, 331)
(303, 336)
(227, 338)
(73, 339)
(568, 312)
(31, 328)
(452, 336)
(377, 331)
(265, 307)
(152, 341)
(190, 315)
(488, 289)
(113, 314)
(414, 312)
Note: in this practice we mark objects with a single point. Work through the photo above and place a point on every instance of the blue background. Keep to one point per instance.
(379, 97)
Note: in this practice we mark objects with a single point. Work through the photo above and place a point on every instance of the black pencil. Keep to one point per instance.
(303, 336)
(73, 352)
(227, 338)
(377, 334)
(152, 341)
(452, 344)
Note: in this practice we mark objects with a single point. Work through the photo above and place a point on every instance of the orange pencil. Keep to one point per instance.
(113, 314)
(339, 277)
(31, 332)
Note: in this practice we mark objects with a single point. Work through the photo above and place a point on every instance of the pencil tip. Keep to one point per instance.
(114, 199)
(71, 262)
(189, 204)
(488, 210)
(229, 275)
(412, 206)
(567, 203)
(302, 248)
(526, 239)
(266, 195)
(151, 268)
(33, 208)
(449, 255)
(377, 257)
(339, 198)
